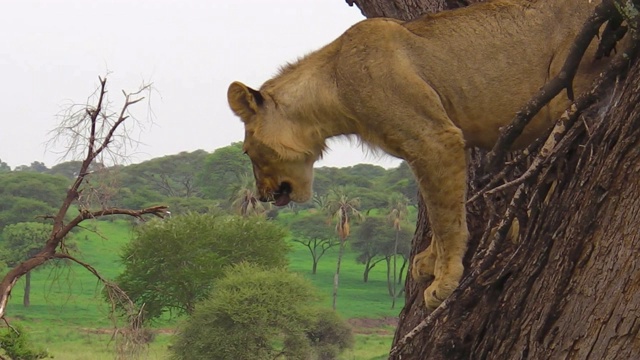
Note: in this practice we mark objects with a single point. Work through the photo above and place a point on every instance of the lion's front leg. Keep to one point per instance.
(441, 171)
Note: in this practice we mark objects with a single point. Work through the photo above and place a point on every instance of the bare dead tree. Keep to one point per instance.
(94, 131)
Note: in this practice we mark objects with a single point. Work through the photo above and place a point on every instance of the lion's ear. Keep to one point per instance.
(244, 101)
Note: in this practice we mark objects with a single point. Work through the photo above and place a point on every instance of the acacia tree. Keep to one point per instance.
(89, 131)
(576, 255)
(373, 242)
(312, 232)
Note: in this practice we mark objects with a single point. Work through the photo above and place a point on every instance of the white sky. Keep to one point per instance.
(52, 51)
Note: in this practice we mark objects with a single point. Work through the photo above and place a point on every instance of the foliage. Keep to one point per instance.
(168, 176)
(4, 167)
(22, 240)
(68, 169)
(222, 170)
(49, 189)
(245, 200)
(256, 313)
(402, 180)
(15, 209)
(170, 264)
(343, 207)
(26, 195)
(184, 205)
(16, 345)
(330, 335)
(375, 239)
(36, 166)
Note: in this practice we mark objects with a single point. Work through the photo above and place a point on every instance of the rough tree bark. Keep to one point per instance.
(570, 287)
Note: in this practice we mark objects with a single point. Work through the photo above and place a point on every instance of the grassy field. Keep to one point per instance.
(69, 318)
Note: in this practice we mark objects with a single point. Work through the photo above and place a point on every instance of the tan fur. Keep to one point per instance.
(420, 91)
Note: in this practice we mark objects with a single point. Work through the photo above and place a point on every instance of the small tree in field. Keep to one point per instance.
(374, 243)
(312, 232)
(255, 313)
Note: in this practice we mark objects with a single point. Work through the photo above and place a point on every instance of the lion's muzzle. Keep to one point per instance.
(279, 197)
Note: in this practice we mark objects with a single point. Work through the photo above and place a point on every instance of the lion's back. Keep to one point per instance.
(483, 61)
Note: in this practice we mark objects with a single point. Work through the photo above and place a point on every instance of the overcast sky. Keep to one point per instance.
(52, 51)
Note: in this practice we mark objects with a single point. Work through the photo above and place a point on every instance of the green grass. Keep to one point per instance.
(356, 299)
(67, 307)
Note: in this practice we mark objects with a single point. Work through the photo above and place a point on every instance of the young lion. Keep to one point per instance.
(420, 91)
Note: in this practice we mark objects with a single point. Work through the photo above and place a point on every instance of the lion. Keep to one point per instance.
(422, 91)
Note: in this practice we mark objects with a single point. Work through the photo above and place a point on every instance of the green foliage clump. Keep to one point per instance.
(170, 264)
(16, 345)
(330, 335)
(25, 195)
(222, 170)
(20, 241)
(256, 313)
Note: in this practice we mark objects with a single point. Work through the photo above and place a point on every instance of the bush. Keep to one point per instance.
(16, 345)
(256, 314)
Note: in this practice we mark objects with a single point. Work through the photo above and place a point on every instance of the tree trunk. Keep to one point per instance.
(314, 268)
(570, 287)
(401, 272)
(389, 280)
(367, 269)
(26, 301)
(395, 271)
(336, 277)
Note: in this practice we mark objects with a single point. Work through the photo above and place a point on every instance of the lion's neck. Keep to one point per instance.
(306, 93)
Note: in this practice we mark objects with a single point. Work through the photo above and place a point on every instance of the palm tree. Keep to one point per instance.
(398, 211)
(245, 198)
(341, 208)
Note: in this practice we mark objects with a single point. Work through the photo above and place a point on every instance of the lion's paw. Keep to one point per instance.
(435, 294)
(423, 265)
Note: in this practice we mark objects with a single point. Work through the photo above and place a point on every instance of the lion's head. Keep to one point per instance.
(282, 159)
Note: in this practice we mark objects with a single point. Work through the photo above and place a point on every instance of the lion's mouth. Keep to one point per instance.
(281, 197)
